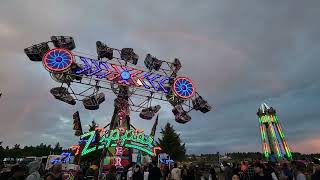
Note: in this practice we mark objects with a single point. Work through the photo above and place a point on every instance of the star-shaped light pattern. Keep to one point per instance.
(184, 87)
(57, 60)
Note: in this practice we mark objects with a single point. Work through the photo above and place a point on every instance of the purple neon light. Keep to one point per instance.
(146, 75)
(104, 74)
(86, 66)
(151, 81)
(102, 70)
(166, 78)
(98, 69)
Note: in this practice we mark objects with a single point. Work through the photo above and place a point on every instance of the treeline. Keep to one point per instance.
(40, 150)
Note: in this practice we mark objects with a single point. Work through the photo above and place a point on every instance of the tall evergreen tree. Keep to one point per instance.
(170, 143)
(57, 149)
(2, 155)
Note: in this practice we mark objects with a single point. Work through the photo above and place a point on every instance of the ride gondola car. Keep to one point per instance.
(92, 102)
(177, 65)
(36, 52)
(177, 110)
(182, 118)
(62, 94)
(152, 62)
(180, 115)
(148, 113)
(128, 55)
(200, 104)
(65, 42)
(104, 51)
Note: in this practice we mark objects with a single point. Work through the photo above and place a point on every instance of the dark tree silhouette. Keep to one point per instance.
(170, 143)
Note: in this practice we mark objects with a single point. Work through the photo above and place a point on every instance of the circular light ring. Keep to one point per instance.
(58, 60)
(125, 75)
(184, 88)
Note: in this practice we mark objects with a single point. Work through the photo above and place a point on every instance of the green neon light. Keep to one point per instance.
(262, 133)
(276, 118)
(140, 148)
(280, 131)
(274, 138)
(288, 152)
(263, 120)
(85, 149)
(260, 121)
(114, 136)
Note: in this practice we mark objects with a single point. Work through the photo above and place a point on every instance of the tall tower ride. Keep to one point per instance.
(273, 138)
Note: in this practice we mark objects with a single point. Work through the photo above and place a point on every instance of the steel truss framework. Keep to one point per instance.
(84, 77)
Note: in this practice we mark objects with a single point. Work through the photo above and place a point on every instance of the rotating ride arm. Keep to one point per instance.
(82, 74)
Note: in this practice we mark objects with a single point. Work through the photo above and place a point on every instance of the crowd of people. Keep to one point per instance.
(294, 170)
(33, 171)
(244, 170)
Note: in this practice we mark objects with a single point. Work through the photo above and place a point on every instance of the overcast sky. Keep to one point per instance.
(239, 53)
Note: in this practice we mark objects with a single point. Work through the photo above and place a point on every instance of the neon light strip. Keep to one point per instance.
(280, 131)
(124, 136)
(274, 138)
(85, 149)
(262, 133)
(288, 152)
(263, 138)
(139, 148)
(260, 120)
(266, 152)
(276, 118)
(101, 69)
(279, 140)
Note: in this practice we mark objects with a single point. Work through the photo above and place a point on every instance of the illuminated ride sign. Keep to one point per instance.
(60, 60)
(165, 159)
(117, 138)
(65, 158)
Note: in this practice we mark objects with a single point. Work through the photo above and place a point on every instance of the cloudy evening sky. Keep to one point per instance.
(239, 53)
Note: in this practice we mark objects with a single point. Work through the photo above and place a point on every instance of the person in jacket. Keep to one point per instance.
(17, 173)
(154, 172)
(34, 167)
(137, 174)
(56, 173)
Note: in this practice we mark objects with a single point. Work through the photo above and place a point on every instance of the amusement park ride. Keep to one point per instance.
(86, 78)
(274, 143)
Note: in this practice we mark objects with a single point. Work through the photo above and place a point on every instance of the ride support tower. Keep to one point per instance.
(274, 143)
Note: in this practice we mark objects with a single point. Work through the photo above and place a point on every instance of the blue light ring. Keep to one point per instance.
(51, 64)
(184, 88)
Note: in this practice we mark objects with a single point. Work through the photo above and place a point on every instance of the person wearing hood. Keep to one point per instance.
(55, 174)
(34, 167)
(130, 173)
